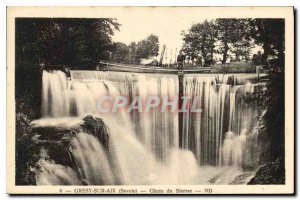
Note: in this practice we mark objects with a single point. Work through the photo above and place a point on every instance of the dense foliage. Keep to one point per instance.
(200, 42)
(220, 36)
(269, 33)
(232, 39)
(78, 43)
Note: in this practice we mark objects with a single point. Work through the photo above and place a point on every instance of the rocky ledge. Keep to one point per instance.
(272, 173)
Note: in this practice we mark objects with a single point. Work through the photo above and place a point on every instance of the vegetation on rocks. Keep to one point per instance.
(26, 156)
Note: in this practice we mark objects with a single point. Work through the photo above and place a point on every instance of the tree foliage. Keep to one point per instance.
(226, 36)
(120, 52)
(220, 36)
(78, 43)
(270, 34)
(199, 42)
(232, 37)
(148, 48)
(242, 43)
(132, 57)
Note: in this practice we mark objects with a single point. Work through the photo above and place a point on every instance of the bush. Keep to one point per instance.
(235, 67)
(24, 156)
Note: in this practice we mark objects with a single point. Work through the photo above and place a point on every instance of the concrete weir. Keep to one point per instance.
(149, 69)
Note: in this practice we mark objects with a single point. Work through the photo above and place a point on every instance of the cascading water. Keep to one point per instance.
(79, 97)
(218, 135)
(144, 147)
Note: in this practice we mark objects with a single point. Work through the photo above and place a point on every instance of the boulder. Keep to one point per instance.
(95, 126)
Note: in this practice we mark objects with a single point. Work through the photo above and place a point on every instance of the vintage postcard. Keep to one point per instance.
(150, 100)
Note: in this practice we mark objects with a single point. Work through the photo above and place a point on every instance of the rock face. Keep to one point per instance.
(55, 142)
(272, 173)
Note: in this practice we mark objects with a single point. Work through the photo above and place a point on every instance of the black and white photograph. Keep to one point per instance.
(150, 100)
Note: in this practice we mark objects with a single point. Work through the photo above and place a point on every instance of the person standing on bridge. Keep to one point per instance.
(180, 60)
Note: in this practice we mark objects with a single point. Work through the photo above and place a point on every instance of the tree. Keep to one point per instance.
(148, 48)
(78, 43)
(120, 53)
(134, 52)
(200, 41)
(226, 29)
(229, 35)
(270, 34)
(132, 58)
(234, 36)
(242, 44)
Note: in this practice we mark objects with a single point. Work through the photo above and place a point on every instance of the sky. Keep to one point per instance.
(167, 29)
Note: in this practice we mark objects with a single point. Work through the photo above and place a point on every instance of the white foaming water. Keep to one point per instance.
(129, 162)
(144, 147)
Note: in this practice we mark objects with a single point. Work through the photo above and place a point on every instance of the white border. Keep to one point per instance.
(276, 12)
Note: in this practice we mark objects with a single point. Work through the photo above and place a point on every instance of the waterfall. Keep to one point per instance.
(78, 96)
(144, 146)
(217, 135)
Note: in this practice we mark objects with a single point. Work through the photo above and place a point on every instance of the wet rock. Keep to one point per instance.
(96, 127)
(242, 179)
(272, 173)
(54, 141)
(214, 179)
(55, 144)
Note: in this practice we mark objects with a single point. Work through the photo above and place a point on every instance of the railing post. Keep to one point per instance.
(180, 114)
